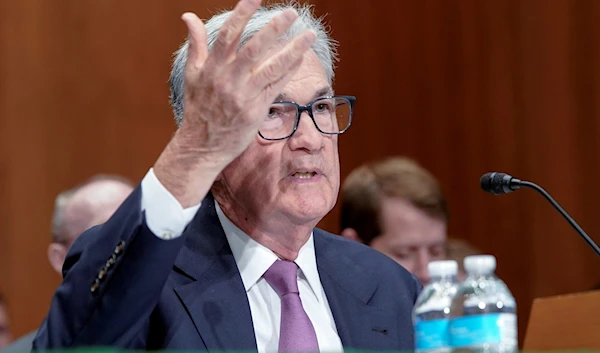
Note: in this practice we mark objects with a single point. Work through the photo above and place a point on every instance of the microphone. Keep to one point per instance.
(502, 183)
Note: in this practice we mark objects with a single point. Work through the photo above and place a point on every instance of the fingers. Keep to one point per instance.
(228, 39)
(278, 66)
(253, 51)
(197, 47)
(272, 90)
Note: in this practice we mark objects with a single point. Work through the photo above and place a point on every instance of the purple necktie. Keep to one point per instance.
(296, 333)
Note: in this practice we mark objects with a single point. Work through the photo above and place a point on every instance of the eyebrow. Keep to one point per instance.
(325, 91)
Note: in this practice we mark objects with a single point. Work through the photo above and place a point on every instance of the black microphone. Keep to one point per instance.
(502, 183)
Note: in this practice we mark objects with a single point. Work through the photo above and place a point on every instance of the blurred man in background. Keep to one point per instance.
(397, 207)
(75, 211)
(5, 334)
(81, 208)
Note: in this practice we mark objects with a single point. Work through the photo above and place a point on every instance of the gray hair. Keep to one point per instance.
(324, 46)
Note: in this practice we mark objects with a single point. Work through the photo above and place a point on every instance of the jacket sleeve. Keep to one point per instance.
(113, 277)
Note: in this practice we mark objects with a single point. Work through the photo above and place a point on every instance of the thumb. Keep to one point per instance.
(197, 44)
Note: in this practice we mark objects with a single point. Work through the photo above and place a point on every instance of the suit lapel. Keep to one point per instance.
(218, 305)
(349, 290)
(216, 299)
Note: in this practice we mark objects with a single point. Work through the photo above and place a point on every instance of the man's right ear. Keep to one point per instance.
(56, 256)
(350, 233)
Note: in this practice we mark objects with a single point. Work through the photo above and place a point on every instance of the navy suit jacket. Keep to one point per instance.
(124, 287)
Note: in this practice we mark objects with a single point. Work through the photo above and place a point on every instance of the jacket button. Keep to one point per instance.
(95, 286)
(120, 247)
(111, 261)
(102, 273)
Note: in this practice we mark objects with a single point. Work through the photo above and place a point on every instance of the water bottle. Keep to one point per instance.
(432, 308)
(483, 315)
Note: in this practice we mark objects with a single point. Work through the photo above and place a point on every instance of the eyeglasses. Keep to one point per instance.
(331, 116)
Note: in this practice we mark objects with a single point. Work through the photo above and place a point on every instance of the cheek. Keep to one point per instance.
(409, 265)
(334, 161)
(438, 256)
(334, 148)
(257, 166)
(380, 244)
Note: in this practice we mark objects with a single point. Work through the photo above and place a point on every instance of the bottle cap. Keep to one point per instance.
(442, 268)
(480, 264)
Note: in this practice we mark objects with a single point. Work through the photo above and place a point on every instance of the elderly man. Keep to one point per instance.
(76, 210)
(82, 207)
(217, 248)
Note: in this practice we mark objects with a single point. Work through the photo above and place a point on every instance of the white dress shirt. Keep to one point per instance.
(167, 219)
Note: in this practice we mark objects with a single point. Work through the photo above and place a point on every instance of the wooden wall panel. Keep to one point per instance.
(83, 90)
(471, 86)
(463, 86)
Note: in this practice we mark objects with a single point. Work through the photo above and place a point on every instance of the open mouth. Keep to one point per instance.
(304, 175)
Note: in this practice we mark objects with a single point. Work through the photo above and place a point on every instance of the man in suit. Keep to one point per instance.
(217, 249)
(76, 210)
(397, 207)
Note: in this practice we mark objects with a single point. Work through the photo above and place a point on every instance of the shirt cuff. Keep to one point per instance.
(165, 216)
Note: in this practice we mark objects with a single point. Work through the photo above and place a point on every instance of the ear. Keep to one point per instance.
(350, 233)
(56, 256)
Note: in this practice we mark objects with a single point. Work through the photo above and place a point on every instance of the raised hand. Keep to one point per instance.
(227, 94)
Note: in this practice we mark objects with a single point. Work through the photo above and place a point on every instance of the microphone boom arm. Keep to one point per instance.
(571, 221)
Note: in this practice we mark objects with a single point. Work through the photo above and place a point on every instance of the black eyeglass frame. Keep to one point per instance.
(308, 108)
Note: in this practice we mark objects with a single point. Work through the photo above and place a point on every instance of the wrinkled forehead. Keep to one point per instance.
(308, 83)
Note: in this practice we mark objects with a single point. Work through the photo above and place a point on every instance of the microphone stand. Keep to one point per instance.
(564, 213)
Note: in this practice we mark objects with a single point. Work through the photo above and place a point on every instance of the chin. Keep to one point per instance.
(309, 208)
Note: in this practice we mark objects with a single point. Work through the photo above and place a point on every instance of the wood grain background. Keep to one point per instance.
(463, 86)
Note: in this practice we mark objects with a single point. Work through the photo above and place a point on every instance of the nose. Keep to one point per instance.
(307, 136)
(421, 270)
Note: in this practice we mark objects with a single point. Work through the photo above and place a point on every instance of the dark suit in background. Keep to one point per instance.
(187, 293)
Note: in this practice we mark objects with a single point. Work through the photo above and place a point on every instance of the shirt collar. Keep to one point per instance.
(254, 259)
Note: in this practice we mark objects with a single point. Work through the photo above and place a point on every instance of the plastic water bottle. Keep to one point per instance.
(432, 309)
(483, 315)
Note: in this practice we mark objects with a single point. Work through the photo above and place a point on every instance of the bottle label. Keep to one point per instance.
(490, 328)
(434, 304)
(431, 334)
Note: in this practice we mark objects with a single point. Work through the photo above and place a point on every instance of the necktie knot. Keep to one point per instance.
(283, 277)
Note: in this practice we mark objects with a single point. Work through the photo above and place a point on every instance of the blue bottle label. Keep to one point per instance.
(490, 328)
(431, 334)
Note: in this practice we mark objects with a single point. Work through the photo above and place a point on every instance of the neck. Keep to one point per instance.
(276, 233)
(285, 247)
